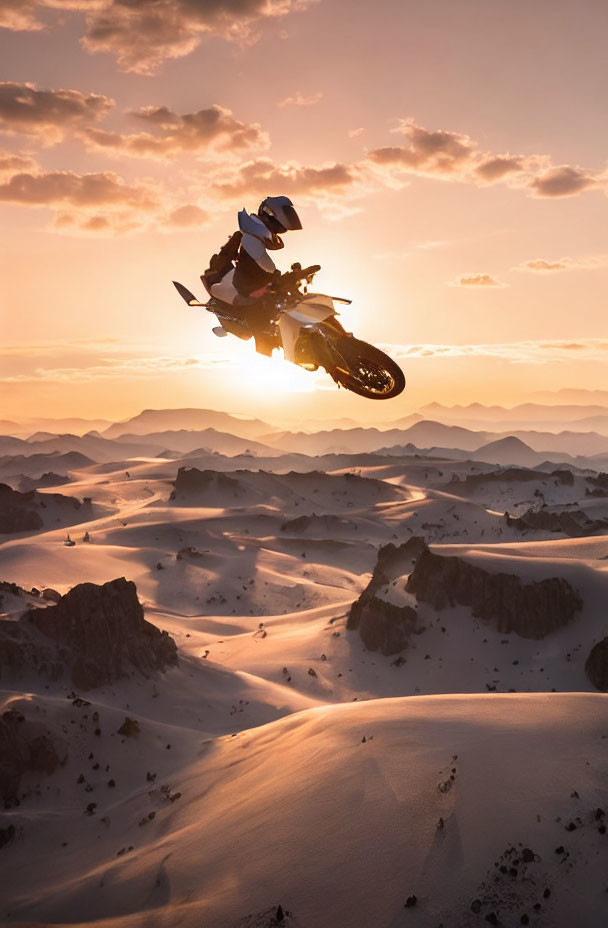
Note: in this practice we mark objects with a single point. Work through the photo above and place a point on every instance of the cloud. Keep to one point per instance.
(12, 162)
(447, 155)
(524, 352)
(98, 224)
(22, 15)
(143, 34)
(263, 177)
(186, 216)
(496, 167)
(19, 15)
(428, 152)
(542, 266)
(57, 188)
(48, 114)
(49, 348)
(105, 359)
(562, 181)
(300, 99)
(476, 280)
(122, 368)
(539, 264)
(214, 127)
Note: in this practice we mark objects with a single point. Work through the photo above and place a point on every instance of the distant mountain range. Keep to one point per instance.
(177, 432)
(525, 416)
(428, 434)
(210, 440)
(73, 426)
(161, 420)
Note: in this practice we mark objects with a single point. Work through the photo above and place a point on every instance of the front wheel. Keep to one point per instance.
(365, 370)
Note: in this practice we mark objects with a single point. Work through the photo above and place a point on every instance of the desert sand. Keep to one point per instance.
(283, 764)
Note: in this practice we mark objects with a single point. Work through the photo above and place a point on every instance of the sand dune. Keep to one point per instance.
(281, 754)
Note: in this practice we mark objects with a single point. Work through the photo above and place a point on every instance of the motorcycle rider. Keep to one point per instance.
(241, 272)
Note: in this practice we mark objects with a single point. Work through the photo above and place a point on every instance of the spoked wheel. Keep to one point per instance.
(366, 370)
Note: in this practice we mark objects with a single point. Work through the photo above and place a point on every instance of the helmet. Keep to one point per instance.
(279, 215)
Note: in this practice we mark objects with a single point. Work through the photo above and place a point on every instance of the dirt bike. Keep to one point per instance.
(306, 327)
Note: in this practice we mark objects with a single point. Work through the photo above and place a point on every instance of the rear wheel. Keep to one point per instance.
(365, 370)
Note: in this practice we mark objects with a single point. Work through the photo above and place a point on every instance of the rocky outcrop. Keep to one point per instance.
(596, 665)
(191, 481)
(324, 523)
(95, 634)
(573, 524)
(46, 480)
(24, 747)
(22, 512)
(531, 610)
(599, 484)
(473, 482)
(8, 589)
(17, 511)
(384, 626)
(565, 477)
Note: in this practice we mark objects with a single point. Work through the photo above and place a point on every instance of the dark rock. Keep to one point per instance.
(573, 524)
(411, 901)
(46, 480)
(95, 633)
(322, 523)
(19, 512)
(7, 835)
(189, 552)
(531, 610)
(473, 482)
(25, 747)
(129, 728)
(192, 481)
(382, 625)
(596, 665)
(600, 482)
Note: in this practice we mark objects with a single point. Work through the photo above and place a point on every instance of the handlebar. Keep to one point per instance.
(297, 274)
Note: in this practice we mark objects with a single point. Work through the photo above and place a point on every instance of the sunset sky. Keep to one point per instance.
(448, 160)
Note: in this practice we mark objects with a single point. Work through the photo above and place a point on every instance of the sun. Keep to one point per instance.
(273, 376)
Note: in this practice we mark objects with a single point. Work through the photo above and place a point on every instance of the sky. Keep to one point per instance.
(448, 159)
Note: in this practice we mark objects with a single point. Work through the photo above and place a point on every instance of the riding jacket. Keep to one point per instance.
(241, 271)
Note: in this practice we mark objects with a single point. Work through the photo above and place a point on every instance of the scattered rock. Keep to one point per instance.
(129, 728)
(596, 665)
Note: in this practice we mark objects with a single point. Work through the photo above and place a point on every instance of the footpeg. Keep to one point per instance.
(220, 331)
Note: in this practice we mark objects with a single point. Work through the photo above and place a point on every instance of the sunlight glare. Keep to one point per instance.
(258, 374)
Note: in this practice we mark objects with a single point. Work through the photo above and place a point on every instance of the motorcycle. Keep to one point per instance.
(306, 327)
